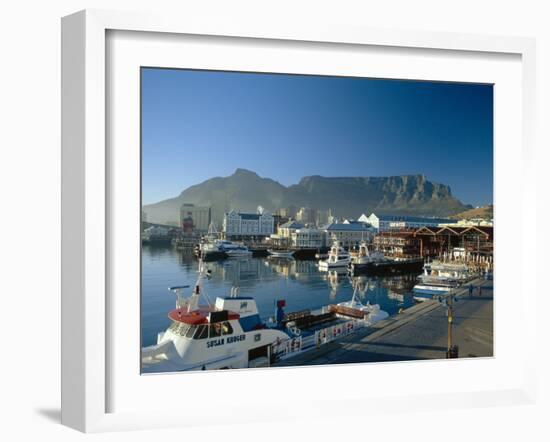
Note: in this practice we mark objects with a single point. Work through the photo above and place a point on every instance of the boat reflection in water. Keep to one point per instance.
(268, 279)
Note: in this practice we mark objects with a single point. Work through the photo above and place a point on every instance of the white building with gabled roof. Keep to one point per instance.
(388, 222)
(239, 225)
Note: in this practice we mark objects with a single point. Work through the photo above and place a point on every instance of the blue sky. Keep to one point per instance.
(198, 124)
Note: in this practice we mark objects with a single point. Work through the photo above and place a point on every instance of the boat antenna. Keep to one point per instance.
(180, 300)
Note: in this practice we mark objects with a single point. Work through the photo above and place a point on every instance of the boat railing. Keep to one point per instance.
(337, 331)
(281, 348)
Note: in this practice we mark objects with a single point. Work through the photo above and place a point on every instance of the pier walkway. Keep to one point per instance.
(419, 332)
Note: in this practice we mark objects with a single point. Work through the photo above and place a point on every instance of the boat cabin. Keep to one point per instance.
(222, 319)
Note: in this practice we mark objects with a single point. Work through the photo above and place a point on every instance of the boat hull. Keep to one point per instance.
(212, 255)
(281, 254)
(324, 265)
(384, 268)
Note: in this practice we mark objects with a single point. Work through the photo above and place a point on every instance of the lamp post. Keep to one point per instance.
(452, 350)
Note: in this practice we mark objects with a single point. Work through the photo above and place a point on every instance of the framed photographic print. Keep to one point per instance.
(286, 212)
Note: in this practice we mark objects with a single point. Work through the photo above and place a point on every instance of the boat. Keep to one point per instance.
(229, 333)
(428, 287)
(439, 278)
(362, 259)
(212, 248)
(455, 270)
(209, 248)
(233, 249)
(281, 253)
(337, 257)
(375, 263)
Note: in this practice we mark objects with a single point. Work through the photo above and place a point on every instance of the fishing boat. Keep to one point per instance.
(209, 248)
(229, 333)
(281, 253)
(337, 257)
(362, 259)
(375, 263)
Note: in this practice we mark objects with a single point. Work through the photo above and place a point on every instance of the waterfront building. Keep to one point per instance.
(470, 222)
(436, 241)
(400, 222)
(283, 237)
(349, 234)
(158, 234)
(238, 225)
(279, 220)
(309, 238)
(398, 243)
(153, 231)
(287, 229)
(195, 218)
(477, 241)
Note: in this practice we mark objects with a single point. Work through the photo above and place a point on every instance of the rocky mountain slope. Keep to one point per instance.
(346, 196)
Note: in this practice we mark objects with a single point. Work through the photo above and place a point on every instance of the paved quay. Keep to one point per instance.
(419, 332)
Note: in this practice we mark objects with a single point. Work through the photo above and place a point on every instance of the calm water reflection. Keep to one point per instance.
(267, 279)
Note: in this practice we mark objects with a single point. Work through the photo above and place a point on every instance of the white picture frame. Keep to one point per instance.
(86, 207)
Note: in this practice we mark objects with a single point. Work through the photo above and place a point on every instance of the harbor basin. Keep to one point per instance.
(299, 282)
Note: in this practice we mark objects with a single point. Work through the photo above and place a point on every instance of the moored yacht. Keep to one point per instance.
(440, 278)
(233, 249)
(337, 257)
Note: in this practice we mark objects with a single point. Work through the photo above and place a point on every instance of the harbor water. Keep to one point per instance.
(300, 283)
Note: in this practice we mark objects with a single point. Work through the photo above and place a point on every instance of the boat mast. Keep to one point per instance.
(192, 303)
(199, 284)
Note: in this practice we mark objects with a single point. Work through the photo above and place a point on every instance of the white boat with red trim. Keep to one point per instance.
(230, 333)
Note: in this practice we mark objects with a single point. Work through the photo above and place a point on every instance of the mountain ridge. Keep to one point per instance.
(245, 190)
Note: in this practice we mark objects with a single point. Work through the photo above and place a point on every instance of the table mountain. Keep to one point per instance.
(346, 196)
